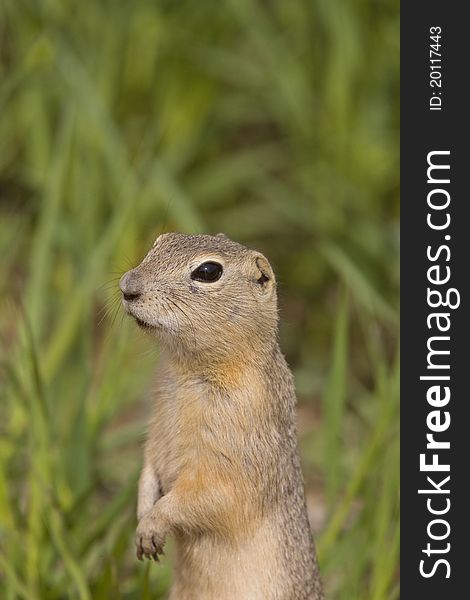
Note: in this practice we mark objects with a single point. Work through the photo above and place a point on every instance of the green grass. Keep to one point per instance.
(276, 123)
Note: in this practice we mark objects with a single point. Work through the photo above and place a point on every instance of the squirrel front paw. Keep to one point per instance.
(149, 538)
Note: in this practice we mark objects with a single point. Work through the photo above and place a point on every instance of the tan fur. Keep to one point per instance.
(221, 468)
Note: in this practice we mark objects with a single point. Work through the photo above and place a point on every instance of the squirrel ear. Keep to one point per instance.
(264, 276)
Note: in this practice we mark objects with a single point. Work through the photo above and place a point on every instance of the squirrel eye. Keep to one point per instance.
(207, 272)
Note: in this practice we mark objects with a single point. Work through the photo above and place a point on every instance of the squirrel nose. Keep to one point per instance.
(131, 285)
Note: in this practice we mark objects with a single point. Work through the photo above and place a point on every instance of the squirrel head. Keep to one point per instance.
(203, 296)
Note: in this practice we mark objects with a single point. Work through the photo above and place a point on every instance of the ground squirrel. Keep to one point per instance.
(221, 468)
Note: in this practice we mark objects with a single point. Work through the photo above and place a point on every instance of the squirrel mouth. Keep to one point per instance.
(143, 324)
(140, 322)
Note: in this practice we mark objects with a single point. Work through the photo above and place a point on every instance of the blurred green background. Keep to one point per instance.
(273, 121)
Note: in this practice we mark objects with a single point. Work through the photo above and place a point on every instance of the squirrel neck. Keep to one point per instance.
(224, 369)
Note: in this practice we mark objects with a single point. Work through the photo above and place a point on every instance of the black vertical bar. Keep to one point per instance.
(434, 118)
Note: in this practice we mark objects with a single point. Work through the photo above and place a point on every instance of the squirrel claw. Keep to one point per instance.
(148, 546)
(139, 551)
